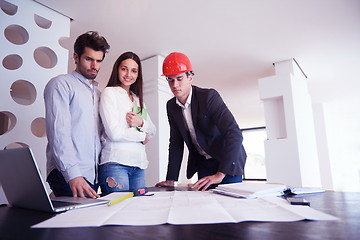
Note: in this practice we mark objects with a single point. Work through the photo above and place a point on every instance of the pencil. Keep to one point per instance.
(119, 199)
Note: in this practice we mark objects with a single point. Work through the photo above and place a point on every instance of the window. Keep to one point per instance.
(254, 146)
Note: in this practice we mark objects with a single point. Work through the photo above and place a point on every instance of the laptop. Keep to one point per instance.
(24, 187)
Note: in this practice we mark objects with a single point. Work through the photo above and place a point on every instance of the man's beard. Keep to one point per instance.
(89, 75)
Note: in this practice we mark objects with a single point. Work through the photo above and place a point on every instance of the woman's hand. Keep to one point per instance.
(147, 139)
(134, 120)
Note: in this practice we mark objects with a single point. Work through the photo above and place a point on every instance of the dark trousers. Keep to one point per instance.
(60, 187)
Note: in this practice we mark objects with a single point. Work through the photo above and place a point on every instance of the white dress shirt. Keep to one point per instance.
(188, 119)
(122, 143)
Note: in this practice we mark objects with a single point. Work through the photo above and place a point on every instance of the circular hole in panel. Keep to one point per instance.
(7, 122)
(8, 8)
(23, 92)
(16, 145)
(45, 57)
(42, 22)
(16, 34)
(38, 127)
(66, 43)
(12, 62)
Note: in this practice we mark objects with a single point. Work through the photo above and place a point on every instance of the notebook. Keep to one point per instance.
(24, 187)
(142, 114)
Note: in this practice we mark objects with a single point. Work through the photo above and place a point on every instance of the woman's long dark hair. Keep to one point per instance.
(136, 87)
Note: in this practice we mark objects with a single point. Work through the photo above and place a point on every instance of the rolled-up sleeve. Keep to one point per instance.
(58, 129)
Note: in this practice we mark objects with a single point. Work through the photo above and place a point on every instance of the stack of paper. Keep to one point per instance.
(261, 189)
(251, 189)
(307, 190)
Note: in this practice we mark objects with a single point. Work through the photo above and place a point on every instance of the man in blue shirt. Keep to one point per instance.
(72, 121)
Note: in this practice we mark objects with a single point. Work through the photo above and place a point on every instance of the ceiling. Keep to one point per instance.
(231, 43)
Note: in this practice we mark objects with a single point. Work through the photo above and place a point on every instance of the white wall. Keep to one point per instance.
(342, 123)
(337, 121)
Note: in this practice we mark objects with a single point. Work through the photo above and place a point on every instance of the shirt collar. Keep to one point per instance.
(188, 100)
(84, 79)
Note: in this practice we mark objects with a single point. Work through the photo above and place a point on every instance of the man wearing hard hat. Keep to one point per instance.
(200, 118)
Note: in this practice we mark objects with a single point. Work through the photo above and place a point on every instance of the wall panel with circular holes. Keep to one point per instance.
(30, 56)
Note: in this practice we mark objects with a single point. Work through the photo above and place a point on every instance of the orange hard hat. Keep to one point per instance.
(176, 63)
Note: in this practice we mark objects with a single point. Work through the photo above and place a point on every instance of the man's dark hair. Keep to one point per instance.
(92, 40)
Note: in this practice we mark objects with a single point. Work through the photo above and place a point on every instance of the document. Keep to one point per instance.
(185, 207)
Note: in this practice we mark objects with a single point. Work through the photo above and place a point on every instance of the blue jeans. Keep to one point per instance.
(60, 187)
(115, 177)
(227, 179)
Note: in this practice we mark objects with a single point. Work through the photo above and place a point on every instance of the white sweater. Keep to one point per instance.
(122, 143)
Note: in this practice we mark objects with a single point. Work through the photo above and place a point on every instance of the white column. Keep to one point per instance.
(326, 170)
(290, 150)
(156, 95)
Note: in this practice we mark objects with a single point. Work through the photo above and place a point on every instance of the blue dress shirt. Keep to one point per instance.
(73, 126)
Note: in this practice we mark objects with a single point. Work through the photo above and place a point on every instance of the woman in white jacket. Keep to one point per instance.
(127, 128)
